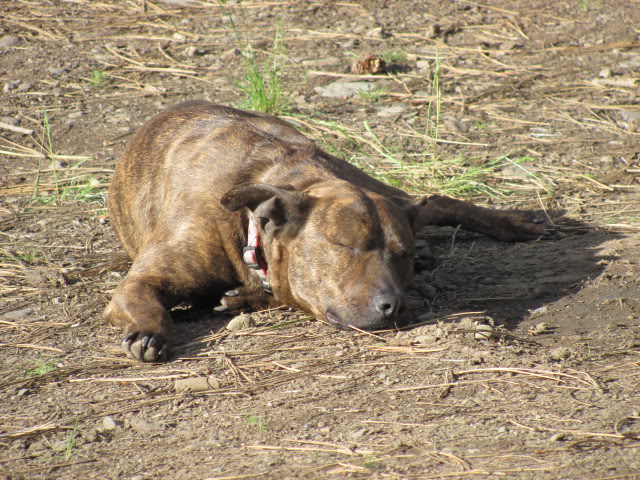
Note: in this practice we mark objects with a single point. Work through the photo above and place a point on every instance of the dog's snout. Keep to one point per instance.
(389, 305)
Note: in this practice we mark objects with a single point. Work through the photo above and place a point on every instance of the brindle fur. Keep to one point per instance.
(338, 243)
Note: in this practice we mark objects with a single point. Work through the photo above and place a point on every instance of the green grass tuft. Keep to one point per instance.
(41, 368)
(98, 78)
(261, 80)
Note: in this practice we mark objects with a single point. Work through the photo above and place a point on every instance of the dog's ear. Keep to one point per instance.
(277, 209)
(412, 207)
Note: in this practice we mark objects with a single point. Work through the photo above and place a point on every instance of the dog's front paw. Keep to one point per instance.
(520, 227)
(146, 347)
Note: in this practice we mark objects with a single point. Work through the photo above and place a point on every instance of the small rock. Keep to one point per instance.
(483, 332)
(241, 322)
(11, 86)
(89, 435)
(16, 314)
(9, 41)
(426, 339)
(230, 54)
(423, 66)
(144, 426)
(22, 392)
(351, 43)
(358, 433)
(57, 71)
(541, 328)
(192, 51)
(75, 114)
(109, 423)
(605, 73)
(557, 437)
(392, 111)
(375, 32)
(198, 384)
(503, 429)
(24, 87)
(344, 89)
(59, 445)
(630, 115)
(178, 37)
(433, 30)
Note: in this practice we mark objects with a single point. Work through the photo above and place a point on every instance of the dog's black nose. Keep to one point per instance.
(388, 305)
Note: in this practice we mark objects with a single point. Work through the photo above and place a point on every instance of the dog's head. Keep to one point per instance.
(340, 252)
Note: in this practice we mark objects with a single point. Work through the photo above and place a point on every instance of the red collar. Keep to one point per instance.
(252, 254)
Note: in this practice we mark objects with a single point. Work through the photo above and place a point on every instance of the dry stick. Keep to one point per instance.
(6, 126)
(28, 345)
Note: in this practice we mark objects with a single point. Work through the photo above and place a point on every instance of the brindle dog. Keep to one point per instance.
(208, 199)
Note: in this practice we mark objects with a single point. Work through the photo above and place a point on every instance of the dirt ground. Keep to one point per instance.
(551, 392)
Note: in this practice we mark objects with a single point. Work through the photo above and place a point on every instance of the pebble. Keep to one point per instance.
(503, 429)
(230, 54)
(344, 89)
(9, 41)
(144, 426)
(426, 339)
(198, 384)
(16, 314)
(109, 423)
(59, 446)
(483, 332)
(241, 322)
(557, 437)
(423, 65)
(11, 86)
(392, 111)
(629, 115)
(351, 43)
(22, 392)
(23, 87)
(605, 73)
(541, 328)
(56, 71)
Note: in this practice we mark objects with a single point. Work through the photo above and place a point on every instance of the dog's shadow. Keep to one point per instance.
(509, 281)
(472, 273)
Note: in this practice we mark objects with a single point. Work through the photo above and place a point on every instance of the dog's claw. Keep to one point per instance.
(232, 293)
(146, 347)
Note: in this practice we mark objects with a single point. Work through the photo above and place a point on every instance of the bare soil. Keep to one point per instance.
(553, 393)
